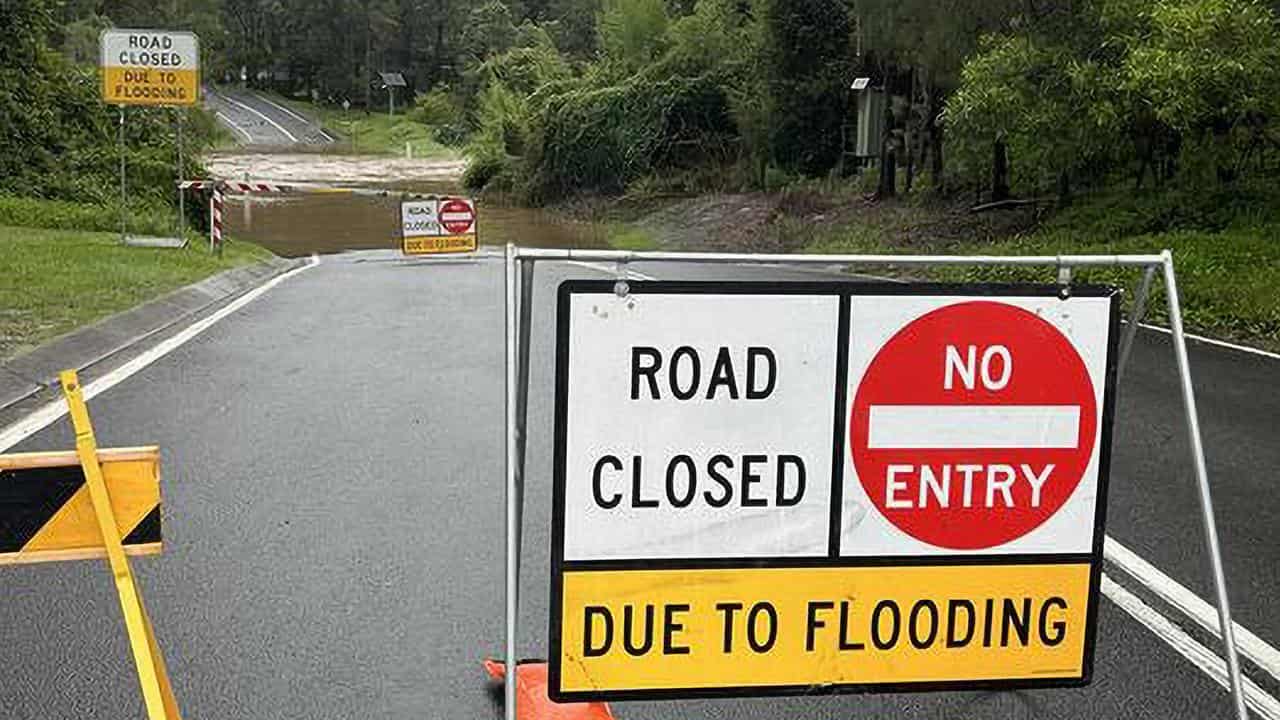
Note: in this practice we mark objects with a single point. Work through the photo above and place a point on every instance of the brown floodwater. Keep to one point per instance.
(353, 204)
(302, 224)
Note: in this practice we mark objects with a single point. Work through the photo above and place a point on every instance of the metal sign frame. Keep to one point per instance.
(844, 290)
(519, 268)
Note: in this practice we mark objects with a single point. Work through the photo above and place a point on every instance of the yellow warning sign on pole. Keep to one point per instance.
(149, 67)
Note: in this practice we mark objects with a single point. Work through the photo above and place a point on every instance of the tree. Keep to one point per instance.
(632, 33)
(1210, 70)
(808, 69)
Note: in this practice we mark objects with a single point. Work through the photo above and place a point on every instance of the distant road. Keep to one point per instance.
(255, 119)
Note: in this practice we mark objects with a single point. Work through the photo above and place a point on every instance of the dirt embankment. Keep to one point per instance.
(793, 220)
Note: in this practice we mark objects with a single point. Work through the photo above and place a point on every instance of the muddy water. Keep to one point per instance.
(320, 219)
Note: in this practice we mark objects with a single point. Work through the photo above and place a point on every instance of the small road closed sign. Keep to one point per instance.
(149, 67)
(434, 226)
(767, 489)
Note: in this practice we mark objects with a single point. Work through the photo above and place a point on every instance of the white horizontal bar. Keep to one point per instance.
(973, 426)
(749, 258)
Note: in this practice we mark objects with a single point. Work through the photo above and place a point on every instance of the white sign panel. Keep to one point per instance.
(981, 424)
(420, 218)
(691, 425)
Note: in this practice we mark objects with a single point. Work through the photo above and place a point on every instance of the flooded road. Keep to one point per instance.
(352, 203)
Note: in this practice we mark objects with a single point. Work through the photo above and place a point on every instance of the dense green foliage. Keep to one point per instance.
(809, 64)
(1174, 89)
(557, 97)
(58, 139)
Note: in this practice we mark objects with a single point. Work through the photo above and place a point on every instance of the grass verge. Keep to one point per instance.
(1226, 279)
(620, 236)
(55, 280)
(375, 133)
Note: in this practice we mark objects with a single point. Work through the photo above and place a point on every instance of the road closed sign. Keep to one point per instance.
(149, 67)
(438, 225)
(819, 487)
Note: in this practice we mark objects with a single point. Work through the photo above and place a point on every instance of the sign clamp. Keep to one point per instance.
(520, 261)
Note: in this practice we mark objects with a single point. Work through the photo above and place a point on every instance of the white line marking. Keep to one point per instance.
(1213, 341)
(632, 274)
(973, 426)
(227, 119)
(45, 416)
(273, 123)
(1186, 646)
(305, 120)
(281, 108)
(1252, 647)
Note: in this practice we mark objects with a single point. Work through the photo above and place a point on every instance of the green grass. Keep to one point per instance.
(62, 215)
(629, 237)
(55, 280)
(1227, 278)
(375, 133)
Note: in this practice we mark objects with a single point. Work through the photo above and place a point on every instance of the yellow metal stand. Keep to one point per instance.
(156, 691)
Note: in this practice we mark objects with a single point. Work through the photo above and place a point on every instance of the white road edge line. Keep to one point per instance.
(227, 119)
(273, 123)
(291, 113)
(1257, 650)
(1186, 646)
(280, 107)
(1215, 342)
(46, 415)
(1171, 591)
(598, 267)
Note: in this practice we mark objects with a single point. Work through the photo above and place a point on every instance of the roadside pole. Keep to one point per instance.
(123, 221)
(180, 116)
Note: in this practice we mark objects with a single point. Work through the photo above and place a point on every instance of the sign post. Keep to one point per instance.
(149, 68)
(434, 226)
(826, 487)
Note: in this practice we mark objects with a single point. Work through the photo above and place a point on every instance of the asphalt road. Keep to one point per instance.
(333, 485)
(255, 119)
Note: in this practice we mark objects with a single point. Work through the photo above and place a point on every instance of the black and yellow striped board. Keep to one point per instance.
(46, 513)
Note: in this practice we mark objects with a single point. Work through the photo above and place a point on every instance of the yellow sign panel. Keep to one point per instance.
(46, 512)
(651, 632)
(150, 67)
(440, 244)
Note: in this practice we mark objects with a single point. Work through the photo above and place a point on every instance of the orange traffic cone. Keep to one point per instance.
(532, 701)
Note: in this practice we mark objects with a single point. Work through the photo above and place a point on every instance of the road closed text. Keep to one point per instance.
(656, 629)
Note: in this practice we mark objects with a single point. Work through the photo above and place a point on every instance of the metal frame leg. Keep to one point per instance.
(512, 490)
(1135, 319)
(524, 308)
(1202, 482)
